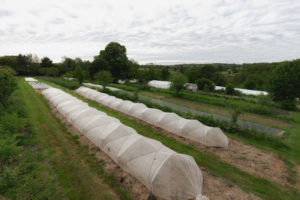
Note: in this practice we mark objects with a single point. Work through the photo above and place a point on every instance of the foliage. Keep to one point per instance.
(72, 85)
(79, 74)
(285, 83)
(229, 89)
(178, 81)
(235, 114)
(7, 84)
(103, 77)
(116, 57)
(205, 83)
(49, 71)
(46, 62)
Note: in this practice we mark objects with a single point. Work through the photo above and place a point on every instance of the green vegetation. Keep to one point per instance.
(177, 83)
(205, 84)
(72, 85)
(103, 77)
(212, 163)
(285, 84)
(7, 84)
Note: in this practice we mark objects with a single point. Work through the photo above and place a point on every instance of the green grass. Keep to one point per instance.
(62, 82)
(261, 187)
(80, 175)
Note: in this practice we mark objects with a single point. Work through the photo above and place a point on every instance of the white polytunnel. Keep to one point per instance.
(167, 174)
(160, 84)
(187, 128)
(36, 84)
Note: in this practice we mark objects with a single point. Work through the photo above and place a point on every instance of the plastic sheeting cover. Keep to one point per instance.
(167, 174)
(160, 84)
(191, 129)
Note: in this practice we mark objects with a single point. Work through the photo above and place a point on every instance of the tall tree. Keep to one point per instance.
(116, 57)
(46, 62)
(284, 84)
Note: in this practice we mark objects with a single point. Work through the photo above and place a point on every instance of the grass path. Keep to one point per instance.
(258, 186)
(76, 172)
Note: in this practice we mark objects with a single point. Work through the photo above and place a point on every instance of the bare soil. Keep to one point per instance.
(220, 111)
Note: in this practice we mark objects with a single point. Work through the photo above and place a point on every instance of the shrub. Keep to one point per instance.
(178, 82)
(229, 89)
(205, 84)
(8, 149)
(7, 84)
(103, 77)
(288, 104)
(72, 85)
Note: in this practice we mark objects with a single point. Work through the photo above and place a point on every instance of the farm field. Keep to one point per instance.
(149, 100)
(208, 160)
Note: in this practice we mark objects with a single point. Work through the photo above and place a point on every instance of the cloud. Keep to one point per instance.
(5, 13)
(169, 31)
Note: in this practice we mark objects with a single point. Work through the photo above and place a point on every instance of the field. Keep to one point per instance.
(63, 164)
(261, 179)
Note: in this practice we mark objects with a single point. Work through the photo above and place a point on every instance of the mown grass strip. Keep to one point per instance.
(260, 187)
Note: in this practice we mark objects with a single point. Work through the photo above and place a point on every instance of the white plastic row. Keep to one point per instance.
(191, 129)
(167, 174)
(30, 79)
(36, 84)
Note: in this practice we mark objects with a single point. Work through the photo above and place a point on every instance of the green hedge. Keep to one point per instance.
(72, 85)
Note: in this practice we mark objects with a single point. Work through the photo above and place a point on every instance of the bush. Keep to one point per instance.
(178, 82)
(229, 89)
(72, 85)
(7, 84)
(8, 149)
(288, 104)
(205, 84)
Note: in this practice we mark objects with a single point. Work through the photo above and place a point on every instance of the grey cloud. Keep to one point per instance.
(57, 21)
(5, 13)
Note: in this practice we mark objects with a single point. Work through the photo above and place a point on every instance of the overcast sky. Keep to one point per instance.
(158, 31)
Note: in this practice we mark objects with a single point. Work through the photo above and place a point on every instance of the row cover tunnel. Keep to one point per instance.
(190, 129)
(165, 173)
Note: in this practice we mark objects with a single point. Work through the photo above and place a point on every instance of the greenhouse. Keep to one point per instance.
(191, 129)
(160, 84)
(167, 174)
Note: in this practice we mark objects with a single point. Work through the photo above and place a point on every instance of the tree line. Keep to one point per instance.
(112, 64)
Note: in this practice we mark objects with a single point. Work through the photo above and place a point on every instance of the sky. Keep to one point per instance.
(157, 31)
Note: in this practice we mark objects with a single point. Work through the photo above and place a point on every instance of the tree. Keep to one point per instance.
(284, 84)
(116, 57)
(79, 74)
(193, 73)
(8, 84)
(178, 81)
(205, 83)
(229, 89)
(165, 73)
(46, 62)
(250, 84)
(104, 78)
(98, 64)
